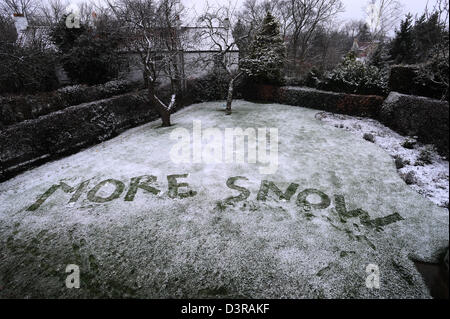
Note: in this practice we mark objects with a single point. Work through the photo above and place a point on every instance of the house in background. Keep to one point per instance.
(20, 22)
(194, 57)
(364, 50)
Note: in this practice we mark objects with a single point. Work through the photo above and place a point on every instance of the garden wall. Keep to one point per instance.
(36, 141)
(18, 108)
(426, 118)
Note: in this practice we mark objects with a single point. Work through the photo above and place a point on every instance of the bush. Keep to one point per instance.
(313, 78)
(27, 70)
(89, 55)
(291, 81)
(14, 109)
(359, 105)
(60, 133)
(213, 86)
(433, 76)
(429, 79)
(424, 118)
(352, 76)
(24, 68)
(401, 79)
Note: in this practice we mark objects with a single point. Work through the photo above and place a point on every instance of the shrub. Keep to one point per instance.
(291, 81)
(433, 76)
(15, 109)
(265, 59)
(89, 55)
(213, 86)
(359, 105)
(369, 137)
(313, 78)
(409, 144)
(24, 68)
(399, 163)
(426, 156)
(410, 178)
(27, 70)
(352, 76)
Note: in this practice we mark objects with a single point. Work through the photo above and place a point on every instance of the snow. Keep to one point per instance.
(432, 179)
(159, 247)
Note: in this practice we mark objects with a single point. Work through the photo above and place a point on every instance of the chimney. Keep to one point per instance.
(20, 22)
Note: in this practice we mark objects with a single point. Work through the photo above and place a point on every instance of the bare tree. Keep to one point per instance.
(329, 44)
(383, 16)
(149, 27)
(353, 27)
(25, 7)
(307, 16)
(172, 43)
(441, 7)
(52, 11)
(298, 19)
(216, 26)
(254, 11)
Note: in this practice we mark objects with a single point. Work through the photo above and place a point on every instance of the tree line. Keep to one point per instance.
(280, 42)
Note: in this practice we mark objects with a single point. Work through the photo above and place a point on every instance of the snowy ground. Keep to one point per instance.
(430, 171)
(155, 246)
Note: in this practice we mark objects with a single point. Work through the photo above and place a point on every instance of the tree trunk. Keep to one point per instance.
(230, 92)
(230, 96)
(164, 113)
(165, 117)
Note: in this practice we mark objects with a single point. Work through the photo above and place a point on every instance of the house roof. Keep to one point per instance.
(364, 49)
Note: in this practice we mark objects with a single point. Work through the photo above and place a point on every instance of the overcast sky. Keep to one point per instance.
(354, 9)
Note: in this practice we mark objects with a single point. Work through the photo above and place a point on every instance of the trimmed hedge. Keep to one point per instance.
(359, 105)
(405, 79)
(212, 87)
(41, 134)
(407, 114)
(418, 116)
(15, 109)
(67, 131)
(351, 104)
(33, 142)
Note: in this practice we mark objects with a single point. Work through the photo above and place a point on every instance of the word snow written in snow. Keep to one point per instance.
(211, 145)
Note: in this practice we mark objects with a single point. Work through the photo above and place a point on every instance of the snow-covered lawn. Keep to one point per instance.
(147, 244)
(428, 171)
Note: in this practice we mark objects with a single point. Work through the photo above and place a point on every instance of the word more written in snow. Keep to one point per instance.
(307, 200)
